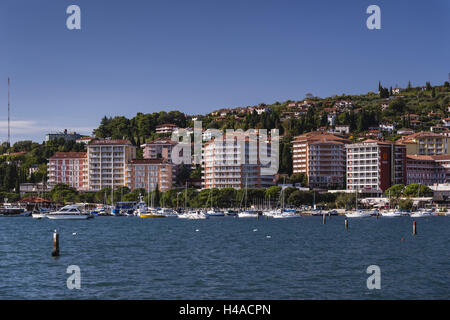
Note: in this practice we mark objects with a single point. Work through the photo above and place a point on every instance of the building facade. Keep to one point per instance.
(234, 165)
(107, 161)
(424, 170)
(426, 143)
(166, 128)
(161, 148)
(67, 136)
(321, 157)
(428, 170)
(70, 168)
(149, 174)
(373, 165)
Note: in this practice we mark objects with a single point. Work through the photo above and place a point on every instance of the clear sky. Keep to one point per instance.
(196, 56)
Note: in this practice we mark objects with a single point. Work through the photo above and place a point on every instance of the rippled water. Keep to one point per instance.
(227, 258)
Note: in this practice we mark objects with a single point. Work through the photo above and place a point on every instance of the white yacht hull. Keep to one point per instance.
(67, 217)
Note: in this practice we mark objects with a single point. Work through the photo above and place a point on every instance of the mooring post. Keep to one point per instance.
(414, 228)
(323, 218)
(55, 251)
(346, 223)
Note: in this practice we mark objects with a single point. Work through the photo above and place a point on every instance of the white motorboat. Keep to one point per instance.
(358, 214)
(423, 213)
(169, 213)
(196, 215)
(391, 213)
(70, 212)
(286, 214)
(248, 214)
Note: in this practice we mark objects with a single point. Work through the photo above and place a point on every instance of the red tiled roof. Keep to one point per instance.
(69, 155)
(148, 161)
(110, 142)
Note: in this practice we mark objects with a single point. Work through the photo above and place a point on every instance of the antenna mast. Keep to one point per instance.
(9, 127)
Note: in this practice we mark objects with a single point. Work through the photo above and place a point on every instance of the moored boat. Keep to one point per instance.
(391, 213)
(423, 213)
(69, 212)
(9, 210)
(248, 214)
(358, 214)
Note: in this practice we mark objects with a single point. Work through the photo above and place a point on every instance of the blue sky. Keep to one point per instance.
(197, 56)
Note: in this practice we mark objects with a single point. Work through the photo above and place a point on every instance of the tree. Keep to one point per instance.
(417, 190)
(395, 191)
(299, 178)
(273, 193)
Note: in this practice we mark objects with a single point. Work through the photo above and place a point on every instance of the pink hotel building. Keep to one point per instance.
(70, 168)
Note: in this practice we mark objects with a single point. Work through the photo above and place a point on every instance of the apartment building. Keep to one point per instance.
(428, 170)
(107, 161)
(424, 170)
(166, 128)
(149, 174)
(426, 143)
(235, 164)
(321, 156)
(160, 148)
(70, 168)
(373, 165)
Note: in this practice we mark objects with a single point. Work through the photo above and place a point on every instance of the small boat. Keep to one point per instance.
(317, 212)
(167, 212)
(8, 210)
(151, 213)
(248, 214)
(214, 213)
(70, 212)
(286, 213)
(193, 215)
(42, 213)
(391, 213)
(141, 207)
(423, 213)
(231, 213)
(332, 213)
(358, 214)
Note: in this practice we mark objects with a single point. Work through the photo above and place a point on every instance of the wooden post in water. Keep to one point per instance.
(414, 228)
(346, 223)
(324, 219)
(55, 251)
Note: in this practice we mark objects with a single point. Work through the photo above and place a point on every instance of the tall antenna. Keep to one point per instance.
(9, 118)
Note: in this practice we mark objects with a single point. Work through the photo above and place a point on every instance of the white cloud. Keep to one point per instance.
(34, 130)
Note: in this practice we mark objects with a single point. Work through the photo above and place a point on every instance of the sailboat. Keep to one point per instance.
(357, 213)
(246, 213)
(283, 213)
(212, 212)
(152, 212)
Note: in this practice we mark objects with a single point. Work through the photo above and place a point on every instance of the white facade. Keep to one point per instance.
(107, 163)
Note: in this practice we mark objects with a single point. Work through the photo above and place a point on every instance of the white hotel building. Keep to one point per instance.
(107, 162)
(234, 165)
